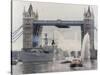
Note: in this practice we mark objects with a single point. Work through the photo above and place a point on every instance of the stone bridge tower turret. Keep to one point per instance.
(28, 18)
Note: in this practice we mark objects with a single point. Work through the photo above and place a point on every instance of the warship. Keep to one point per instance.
(45, 53)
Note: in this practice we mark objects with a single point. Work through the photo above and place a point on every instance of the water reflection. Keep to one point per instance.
(34, 67)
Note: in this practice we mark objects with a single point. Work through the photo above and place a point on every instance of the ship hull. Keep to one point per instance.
(35, 57)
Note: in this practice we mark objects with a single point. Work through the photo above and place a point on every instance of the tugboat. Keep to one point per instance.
(76, 63)
(85, 52)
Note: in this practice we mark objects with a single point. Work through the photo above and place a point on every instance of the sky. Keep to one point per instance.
(69, 38)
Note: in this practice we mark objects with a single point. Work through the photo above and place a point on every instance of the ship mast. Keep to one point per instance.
(46, 39)
(53, 41)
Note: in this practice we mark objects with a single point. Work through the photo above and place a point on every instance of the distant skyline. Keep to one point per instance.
(69, 39)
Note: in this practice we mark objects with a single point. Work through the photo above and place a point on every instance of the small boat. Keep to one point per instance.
(14, 62)
(76, 63)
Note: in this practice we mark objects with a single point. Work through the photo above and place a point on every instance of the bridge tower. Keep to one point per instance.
(28, 28)
(89, 26)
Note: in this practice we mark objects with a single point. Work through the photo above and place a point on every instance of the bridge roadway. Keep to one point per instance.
(58, 23)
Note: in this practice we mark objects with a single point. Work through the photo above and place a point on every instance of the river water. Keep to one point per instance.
(41, 67)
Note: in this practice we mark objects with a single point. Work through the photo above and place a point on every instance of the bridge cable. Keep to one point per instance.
(17, 37)
(16, 31)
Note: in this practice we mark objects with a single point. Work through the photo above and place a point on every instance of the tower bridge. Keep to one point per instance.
(32, 27)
